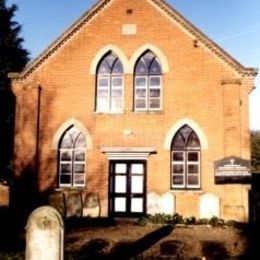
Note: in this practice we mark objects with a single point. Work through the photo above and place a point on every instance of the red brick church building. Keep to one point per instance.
(136, 104)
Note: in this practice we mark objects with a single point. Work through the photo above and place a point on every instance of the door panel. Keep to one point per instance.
(127, 192)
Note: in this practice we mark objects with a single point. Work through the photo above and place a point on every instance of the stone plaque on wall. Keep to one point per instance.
(232, 170)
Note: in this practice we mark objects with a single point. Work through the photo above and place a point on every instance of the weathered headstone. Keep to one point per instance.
(44, 235)
(74, 205)
(91, 205)
(157, 203)
(209, 205)
(153, 203)
(168, 203)
(57, 201)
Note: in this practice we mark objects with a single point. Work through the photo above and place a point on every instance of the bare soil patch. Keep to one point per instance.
(129, 240)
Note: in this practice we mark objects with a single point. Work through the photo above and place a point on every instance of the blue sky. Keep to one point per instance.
(233, 24)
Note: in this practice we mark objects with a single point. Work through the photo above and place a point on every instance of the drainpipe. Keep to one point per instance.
(39, 91)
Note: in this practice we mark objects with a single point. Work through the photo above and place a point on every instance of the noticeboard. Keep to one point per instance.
(232, 170)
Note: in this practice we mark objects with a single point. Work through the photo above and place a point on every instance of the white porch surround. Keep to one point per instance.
(128, 153)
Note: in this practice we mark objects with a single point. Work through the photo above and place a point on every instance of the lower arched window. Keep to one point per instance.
(185, 158)
(72, 158)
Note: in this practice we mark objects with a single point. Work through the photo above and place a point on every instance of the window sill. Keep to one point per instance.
(70, 189)
(149, 112)
(109, 113)
(187, 191)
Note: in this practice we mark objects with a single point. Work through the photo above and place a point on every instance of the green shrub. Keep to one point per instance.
(215, 221)
(232, 223)
(177, 219)
(190, 220)
(203, 221)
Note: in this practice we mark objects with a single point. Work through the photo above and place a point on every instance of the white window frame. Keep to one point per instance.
(185, 164)
(72, 163)
(147, 88)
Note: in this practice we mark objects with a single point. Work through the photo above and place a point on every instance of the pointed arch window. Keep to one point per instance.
(185, 157)
(148, 83)
(72, 158)
(110, 84)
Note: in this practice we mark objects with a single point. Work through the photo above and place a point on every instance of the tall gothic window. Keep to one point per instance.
(72, 161)
(109, 86)
(185, 157)
(148, 83)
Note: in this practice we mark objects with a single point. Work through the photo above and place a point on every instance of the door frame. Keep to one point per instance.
(129, 195)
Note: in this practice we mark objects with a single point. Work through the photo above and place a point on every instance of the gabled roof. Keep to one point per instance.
(165, 8)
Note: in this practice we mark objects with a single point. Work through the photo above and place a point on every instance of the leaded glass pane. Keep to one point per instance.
(155, 92)
(178, 156)
(178, 180)
(193, 156)
(140, 92)
(79, 168)
(117, 82)
(193, 180)
(116, 104)
(193, 140)
(110, 59)
(104, 68)
(103, 93)
(79, 156)
(66, 141)
(103, 82)
(117, 93)
(148, 58)
(141, 68)
(155, 67)
(155, 81)
(65, 168)
(65, 179)
(140, 81)
(178, 141)
(193, 168)
(178, 168)
(140, 103)
(80, 141)
(117, 68)
(79, 179)
(66, 156)
(154, 103)
(186, 131)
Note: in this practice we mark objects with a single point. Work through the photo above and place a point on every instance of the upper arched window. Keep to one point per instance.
(72, 161)
(148, 83)
(185, 155)
(109, 93)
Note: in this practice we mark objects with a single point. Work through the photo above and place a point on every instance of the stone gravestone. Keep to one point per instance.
(44, 235)
(209, 205)
(74, 204)
(164, 203)
(57, 201)
(91, 205)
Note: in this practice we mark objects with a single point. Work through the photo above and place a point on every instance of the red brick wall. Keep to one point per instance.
(192, 88)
